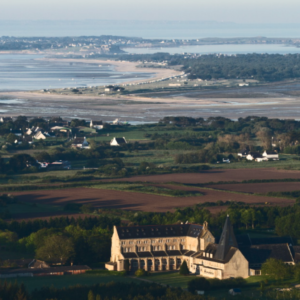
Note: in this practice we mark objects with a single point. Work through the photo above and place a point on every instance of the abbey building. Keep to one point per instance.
(165, 247)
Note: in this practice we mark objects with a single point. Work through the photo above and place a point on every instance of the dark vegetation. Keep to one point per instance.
(109, 291)
(262, 67)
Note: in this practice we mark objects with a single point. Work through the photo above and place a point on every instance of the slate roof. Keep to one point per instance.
(159, 253)
(255, 154)
(97, 122)
(258, 254)
(227, 240)
(159, 231)
(246, 240)
(120, 141)
(144, 254)
(78, 140)
(129, 255)
(173, 252)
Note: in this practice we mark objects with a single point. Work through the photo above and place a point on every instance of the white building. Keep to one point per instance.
(118, 141)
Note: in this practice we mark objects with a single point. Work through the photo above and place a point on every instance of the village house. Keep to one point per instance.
(16, 132)
(24, 139)
(118, 141)
(39, 136)
(96, 124)
(6, 119)
(56, 165)
(256, 157)
(165, 247)
(81, 143)
(243, 153)
(271, 155)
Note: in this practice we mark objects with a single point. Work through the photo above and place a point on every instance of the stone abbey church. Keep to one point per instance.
(165, 247)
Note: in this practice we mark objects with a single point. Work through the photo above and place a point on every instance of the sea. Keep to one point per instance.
(28, 72)
(22, 72)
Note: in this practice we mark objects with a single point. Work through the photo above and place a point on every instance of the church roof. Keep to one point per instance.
(159, 231)
(227, 241)
(258, 254)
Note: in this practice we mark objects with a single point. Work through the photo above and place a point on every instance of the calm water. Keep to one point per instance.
(225, 49)
(147, 29)
(26, 72)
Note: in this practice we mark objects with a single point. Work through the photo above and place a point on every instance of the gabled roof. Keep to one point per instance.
(78, 140)
(246, 240)
(258, 254)
(97, 122)
(159, 231)
(271, 152)
(244, 152)
(227, 240)
(255, 154)
(120, 141)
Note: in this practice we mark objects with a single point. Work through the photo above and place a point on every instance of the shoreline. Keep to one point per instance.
(123, 66)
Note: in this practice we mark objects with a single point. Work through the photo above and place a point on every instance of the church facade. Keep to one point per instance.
(165, 247)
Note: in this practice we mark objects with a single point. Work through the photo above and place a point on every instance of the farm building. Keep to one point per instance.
(118, 141)
(271, 155)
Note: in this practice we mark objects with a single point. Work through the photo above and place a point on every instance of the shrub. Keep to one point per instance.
(184, 270)
(198, 284)
(140, 273)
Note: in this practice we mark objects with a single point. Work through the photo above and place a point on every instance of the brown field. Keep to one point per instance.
(218, 175)
(137, 201)
(260, 187)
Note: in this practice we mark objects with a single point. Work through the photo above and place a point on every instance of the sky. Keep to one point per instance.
(238, 11)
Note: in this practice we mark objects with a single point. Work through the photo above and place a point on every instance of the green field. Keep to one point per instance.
(148, 189)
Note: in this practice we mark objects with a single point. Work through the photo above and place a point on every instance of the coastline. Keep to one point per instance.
(123, 66)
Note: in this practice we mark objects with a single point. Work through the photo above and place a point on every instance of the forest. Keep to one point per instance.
(261, 67)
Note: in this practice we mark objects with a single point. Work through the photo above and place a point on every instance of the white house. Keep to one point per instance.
(256, 156)
(118, 141)
(271, 155)
(39, 136)
(5, 119)
(80, 142)
(96, 124)
(243, 153)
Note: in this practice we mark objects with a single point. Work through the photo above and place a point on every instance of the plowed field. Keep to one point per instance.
(138, 201)
(260, 187)
(217, 175)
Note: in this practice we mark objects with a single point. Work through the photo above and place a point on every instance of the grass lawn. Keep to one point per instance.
(173, 279)
(69, 280)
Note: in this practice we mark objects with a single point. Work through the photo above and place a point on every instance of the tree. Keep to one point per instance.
(56, 248)
(275, 268)
(11, 138)
(140, 272)
(43, 156)
(184, 270)
(198, 284)
(91, 295)
(20, 162)
(126, 265)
